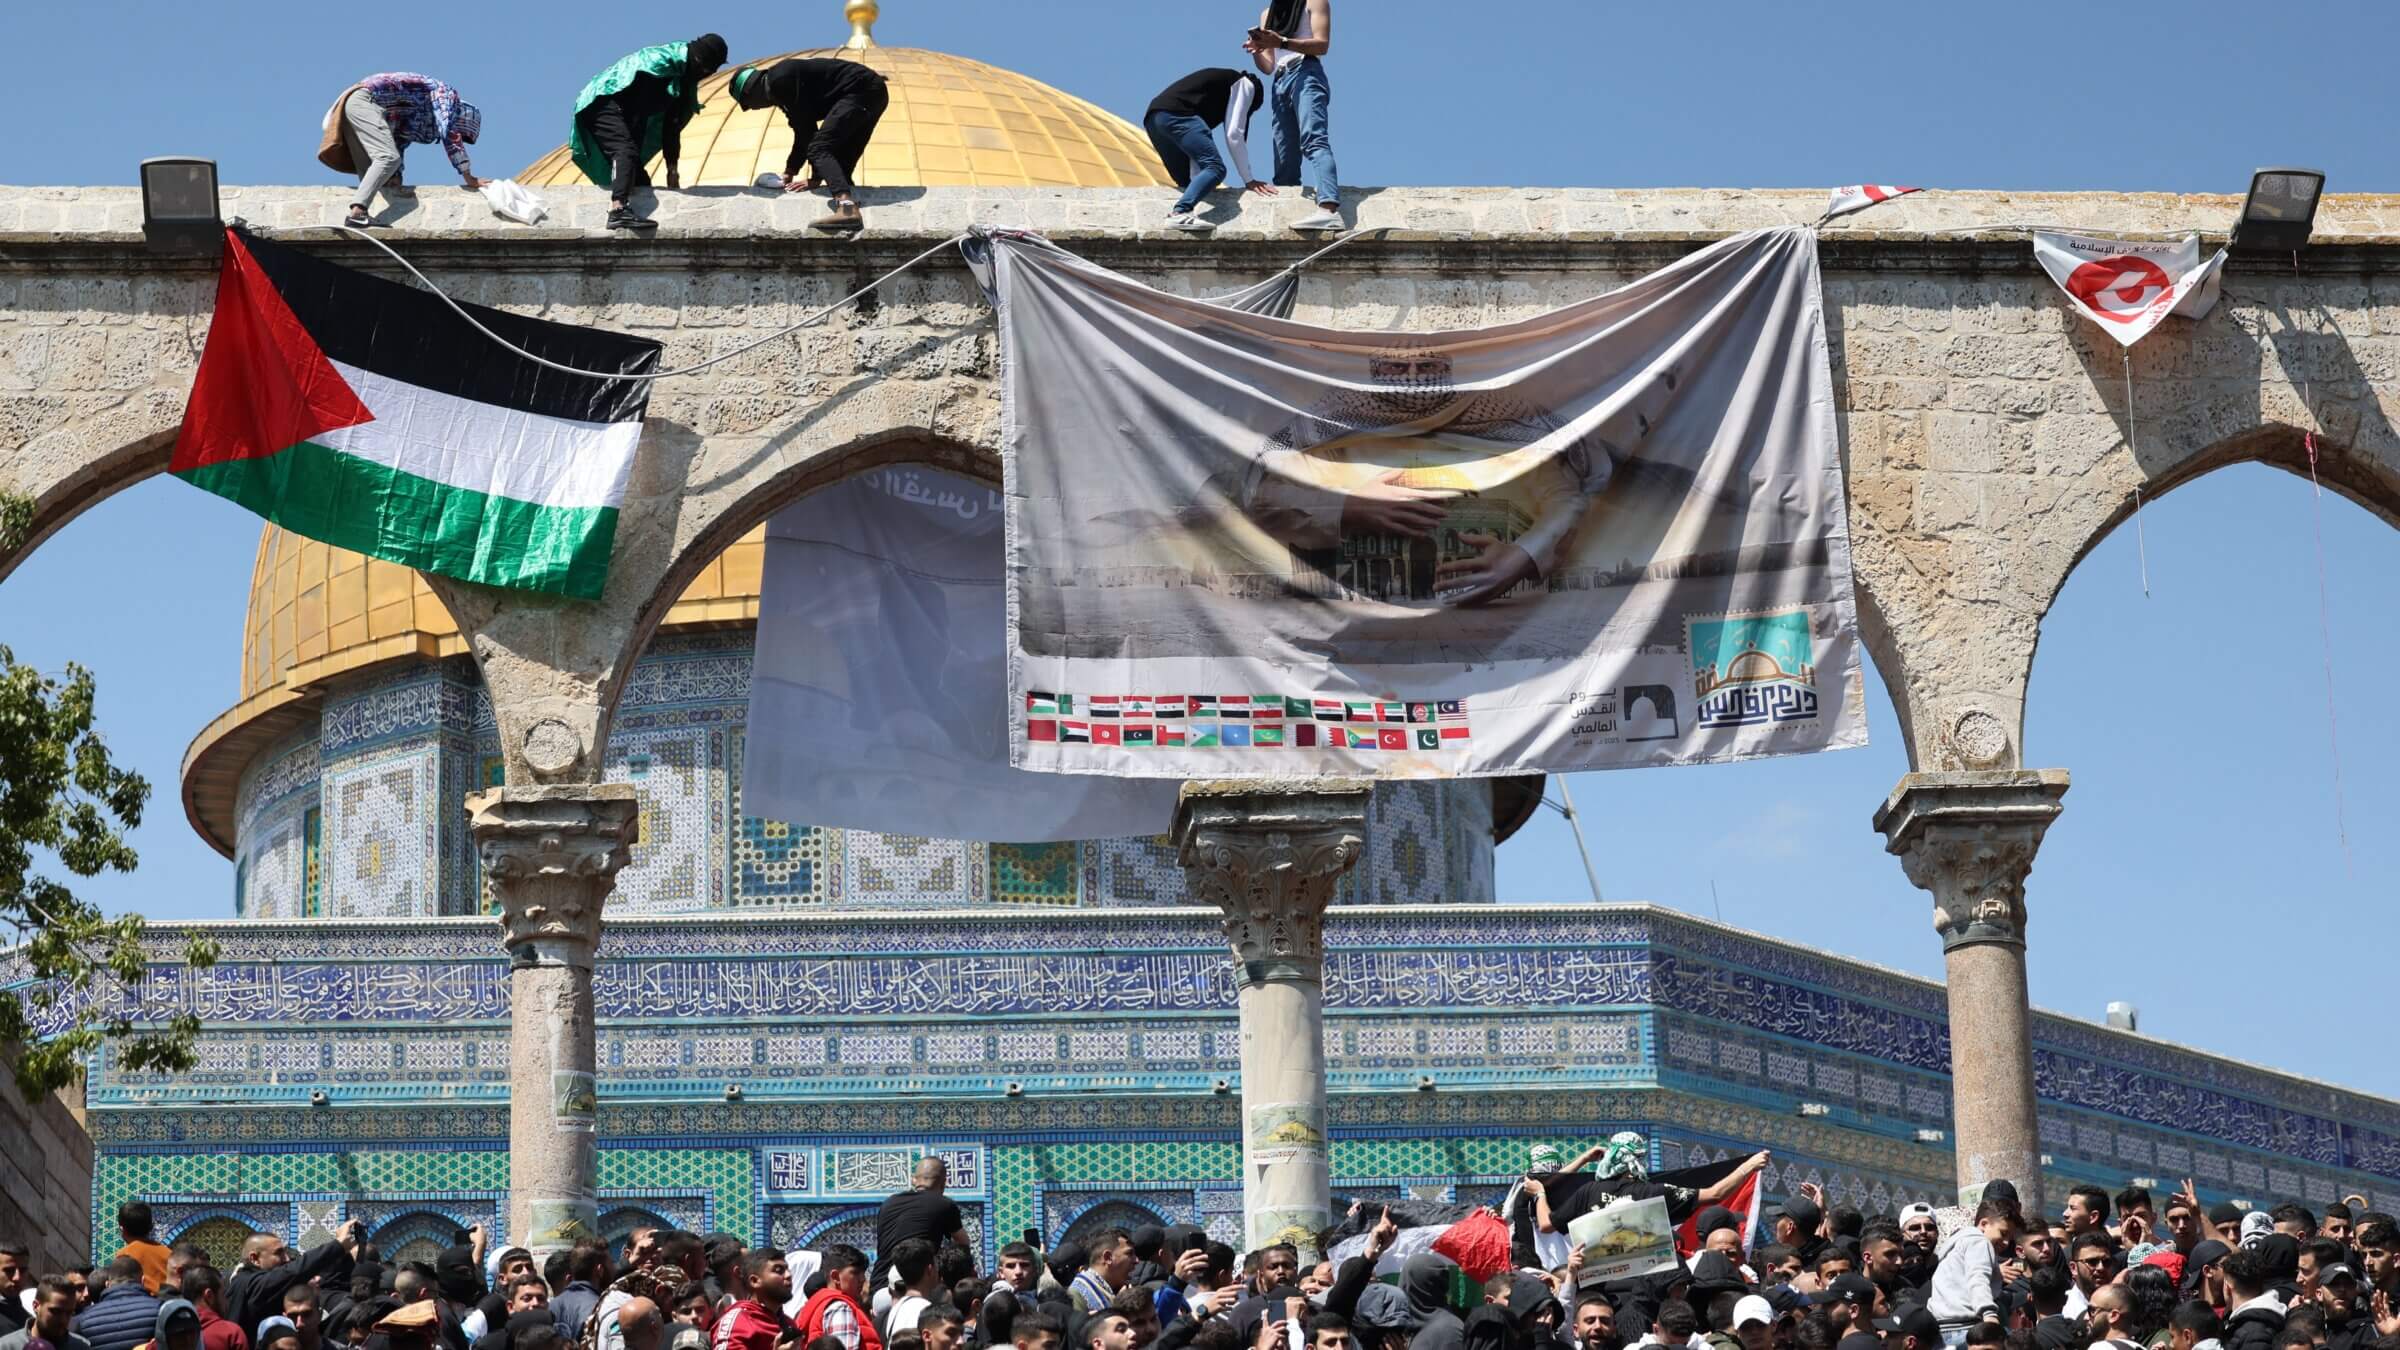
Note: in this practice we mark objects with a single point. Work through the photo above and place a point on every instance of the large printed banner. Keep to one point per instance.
(1610, 535)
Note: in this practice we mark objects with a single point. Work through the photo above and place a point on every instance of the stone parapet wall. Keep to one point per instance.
(45, 1174)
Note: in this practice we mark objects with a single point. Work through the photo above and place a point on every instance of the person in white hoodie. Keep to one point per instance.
(1966, 1275)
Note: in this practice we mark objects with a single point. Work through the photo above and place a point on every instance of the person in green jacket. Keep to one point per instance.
(635, 109)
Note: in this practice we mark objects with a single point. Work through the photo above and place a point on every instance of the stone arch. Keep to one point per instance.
(854, 1225)
(413, 1235)
(220, 1233)
(617, 1225)
(1104, 1212)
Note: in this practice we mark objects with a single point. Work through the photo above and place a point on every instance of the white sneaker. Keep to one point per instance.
(1325, 219)
(1188, 220)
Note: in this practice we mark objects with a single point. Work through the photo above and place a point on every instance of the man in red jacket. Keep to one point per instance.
(835, 1310)
(757, 1322)
(206, 1290)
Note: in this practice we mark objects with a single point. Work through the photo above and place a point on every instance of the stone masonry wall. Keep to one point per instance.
(45, 1175)
(1985, 424)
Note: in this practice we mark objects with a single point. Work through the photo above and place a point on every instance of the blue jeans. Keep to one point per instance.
(1303, 103)
(1189, 150)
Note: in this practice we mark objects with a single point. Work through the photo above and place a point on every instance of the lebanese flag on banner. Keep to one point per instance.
(2128, 287)
(361, 413)
(1860, 196)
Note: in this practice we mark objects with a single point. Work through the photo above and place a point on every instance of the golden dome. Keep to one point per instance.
(952, 122)
(317, 612)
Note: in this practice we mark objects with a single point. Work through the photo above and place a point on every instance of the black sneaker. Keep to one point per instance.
(623, 218)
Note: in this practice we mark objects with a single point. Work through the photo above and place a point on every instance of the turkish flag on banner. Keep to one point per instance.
(2128, 287)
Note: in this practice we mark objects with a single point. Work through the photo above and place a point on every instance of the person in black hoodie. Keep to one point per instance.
(262, 1288)
(1425, 1280)
(2258, 1311)
(833, 107)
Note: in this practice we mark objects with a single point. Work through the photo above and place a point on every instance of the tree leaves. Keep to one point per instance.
(81, 972)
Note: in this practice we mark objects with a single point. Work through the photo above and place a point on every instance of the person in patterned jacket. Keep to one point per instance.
(671, 1261)
(757, 1322)
(370, 127)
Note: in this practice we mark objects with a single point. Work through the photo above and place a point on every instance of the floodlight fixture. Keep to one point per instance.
(2280, 210)
(179, 205)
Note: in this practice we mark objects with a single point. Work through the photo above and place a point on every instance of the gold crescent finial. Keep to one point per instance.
(862, 15)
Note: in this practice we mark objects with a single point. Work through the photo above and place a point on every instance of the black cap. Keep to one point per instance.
(1852, 1288)
(1802, 1211)
(2223, 1214)
(1912, 1320)
(2206, 1252)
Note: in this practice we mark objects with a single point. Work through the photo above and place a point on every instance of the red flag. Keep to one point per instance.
(1478, 1243)
(1744, 1204)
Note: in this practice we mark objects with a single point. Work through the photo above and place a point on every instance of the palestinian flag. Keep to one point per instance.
(1476, 1243)
(364, 414)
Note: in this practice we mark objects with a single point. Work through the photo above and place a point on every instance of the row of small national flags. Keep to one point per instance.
(1204, 721)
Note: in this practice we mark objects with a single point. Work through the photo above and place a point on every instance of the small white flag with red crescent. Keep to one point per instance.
(1860, 196)
(2128, 287)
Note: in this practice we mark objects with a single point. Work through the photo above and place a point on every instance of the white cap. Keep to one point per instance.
(1752, 1308)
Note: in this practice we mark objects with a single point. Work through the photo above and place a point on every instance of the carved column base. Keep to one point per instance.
(551, 856)
(1269, 855)
(1970, 839)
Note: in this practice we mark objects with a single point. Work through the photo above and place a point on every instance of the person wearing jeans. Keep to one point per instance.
(1181, 122)
(1289, 45)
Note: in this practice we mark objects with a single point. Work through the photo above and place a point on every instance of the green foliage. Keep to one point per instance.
(16, 521)
(61, 795)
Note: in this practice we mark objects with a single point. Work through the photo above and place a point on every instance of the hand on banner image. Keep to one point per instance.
(1389, 506)
(1488, 575)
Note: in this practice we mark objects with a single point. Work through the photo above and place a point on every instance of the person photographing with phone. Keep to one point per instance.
(1289, 46)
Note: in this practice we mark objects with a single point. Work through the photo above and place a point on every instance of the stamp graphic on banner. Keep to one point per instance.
(1513, 518)
(2127, 286)
(1756, 669)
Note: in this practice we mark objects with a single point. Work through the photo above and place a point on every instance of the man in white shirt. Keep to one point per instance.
(1289, 46)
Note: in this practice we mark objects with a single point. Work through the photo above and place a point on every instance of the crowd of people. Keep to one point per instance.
(2119, 1272)
(638, 108)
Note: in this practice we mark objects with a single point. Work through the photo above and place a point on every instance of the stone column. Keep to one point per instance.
(550, 855)
(1269, 856)
(1969, 838)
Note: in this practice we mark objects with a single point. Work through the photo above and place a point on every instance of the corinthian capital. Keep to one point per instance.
(551, 856)
(1969, 839)
(1269, 856)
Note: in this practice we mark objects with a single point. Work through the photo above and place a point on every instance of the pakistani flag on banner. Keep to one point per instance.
(364, 414)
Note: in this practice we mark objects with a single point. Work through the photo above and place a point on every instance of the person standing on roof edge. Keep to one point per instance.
(638, 108)
(833, 106)
(1289, 46)
(1182, 121)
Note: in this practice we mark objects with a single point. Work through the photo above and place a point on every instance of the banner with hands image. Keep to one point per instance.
(1609, 535)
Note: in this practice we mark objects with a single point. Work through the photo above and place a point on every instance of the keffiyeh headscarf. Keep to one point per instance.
(1543, 1158)
(1627, 1156)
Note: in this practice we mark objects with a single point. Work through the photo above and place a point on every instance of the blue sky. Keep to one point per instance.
(2199, 870)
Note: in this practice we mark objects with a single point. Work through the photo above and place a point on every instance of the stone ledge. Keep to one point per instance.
(38, 215)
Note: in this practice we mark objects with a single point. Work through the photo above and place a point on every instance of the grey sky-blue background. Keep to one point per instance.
(2198, 870)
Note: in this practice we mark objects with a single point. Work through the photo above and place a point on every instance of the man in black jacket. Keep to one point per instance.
(257, 1293)
(2257, 1315)
(833, 106)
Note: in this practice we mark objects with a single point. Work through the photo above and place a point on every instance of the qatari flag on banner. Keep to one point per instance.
(2130, 287)
(1605, 536)
(1860, 196)
(364, 414)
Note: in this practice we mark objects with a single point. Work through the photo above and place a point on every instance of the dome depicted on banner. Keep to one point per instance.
(952, 122)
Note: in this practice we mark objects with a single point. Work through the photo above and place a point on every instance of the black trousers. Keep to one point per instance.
(614, 133)
(834, 151)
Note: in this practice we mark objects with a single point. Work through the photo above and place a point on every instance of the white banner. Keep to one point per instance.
(2129, 288)
(1606, 536)
(879, 697)
(1624, 1241)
